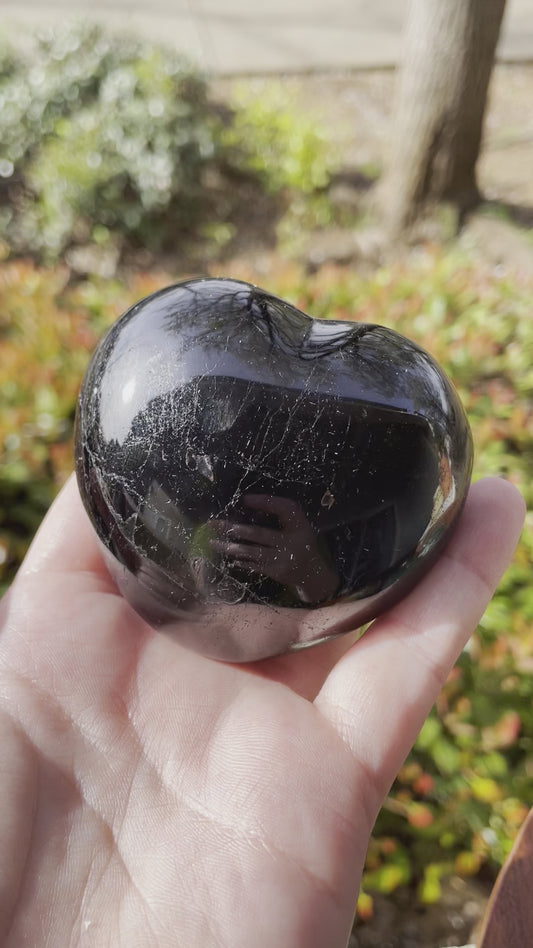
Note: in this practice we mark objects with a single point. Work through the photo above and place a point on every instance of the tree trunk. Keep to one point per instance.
(441, 97)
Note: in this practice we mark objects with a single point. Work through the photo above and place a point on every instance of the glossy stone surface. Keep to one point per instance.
(260, 480)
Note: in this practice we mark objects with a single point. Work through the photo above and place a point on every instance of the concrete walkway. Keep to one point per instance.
(248, 36)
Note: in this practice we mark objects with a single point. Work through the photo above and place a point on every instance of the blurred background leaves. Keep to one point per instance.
(109, 141)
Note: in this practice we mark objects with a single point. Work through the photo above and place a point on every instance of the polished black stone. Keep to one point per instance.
(260, 480)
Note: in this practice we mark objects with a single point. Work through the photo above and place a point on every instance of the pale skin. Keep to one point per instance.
(151, 797)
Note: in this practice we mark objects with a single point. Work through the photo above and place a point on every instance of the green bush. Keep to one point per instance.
(461, 796)
(112, 141)
(100, 135)
(289, 151)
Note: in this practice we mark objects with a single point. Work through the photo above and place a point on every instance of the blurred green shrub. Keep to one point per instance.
(102, 136)
(461, 796)
(105, 140)
(289, 150)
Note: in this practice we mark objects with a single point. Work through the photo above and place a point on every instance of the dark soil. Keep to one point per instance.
(401, 922)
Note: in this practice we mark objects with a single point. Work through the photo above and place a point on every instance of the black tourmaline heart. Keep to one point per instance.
(261, 480)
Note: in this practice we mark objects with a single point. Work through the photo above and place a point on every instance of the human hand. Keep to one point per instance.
(288, 555)
(153, 797)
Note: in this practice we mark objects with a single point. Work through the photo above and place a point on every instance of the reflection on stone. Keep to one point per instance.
(244, 464)
(289, 554)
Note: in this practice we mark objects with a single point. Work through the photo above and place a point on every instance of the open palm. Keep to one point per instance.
(151, 797)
